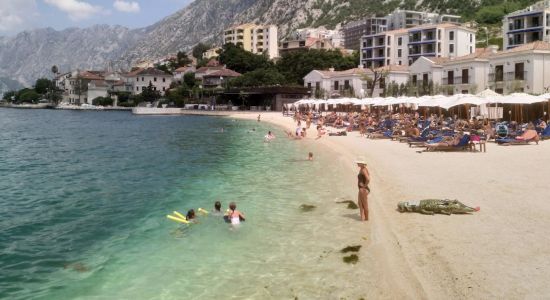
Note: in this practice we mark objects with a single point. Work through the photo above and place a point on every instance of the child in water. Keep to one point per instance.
(191, 217)
(217, 209)
(310, 156)
(234, 216)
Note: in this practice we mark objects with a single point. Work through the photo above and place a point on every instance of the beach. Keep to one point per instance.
(502, 251)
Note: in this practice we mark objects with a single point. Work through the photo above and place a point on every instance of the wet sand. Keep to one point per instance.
(503, 251)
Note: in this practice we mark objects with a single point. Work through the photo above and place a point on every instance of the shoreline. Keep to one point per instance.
(494, 253)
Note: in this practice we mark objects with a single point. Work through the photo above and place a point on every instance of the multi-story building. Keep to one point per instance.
(257, 39)
(142, 78)
(524, 68)
(321, 33)
(306, 44)
(219, 78)
(407, 19)
(405, 46)
(353, 31)
(74, 86)
(527, 25)
(211, 53)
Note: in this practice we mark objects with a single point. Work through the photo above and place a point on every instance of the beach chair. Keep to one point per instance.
(463, 145)
(545, 134)
(527, 137)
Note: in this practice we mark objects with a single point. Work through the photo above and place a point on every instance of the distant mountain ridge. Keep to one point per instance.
(30, 54)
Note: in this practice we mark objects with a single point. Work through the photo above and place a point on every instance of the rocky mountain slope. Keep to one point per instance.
(30, 55)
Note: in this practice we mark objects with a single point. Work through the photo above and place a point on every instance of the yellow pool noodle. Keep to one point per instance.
(179, 215)
(176, 219)
(202, 211)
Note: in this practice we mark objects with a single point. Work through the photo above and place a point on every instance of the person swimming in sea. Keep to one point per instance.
(269, 136)
(310, 156)
(234, 216)
(191, 216)
(217, 211)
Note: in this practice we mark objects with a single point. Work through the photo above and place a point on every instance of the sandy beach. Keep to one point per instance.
(500, 252)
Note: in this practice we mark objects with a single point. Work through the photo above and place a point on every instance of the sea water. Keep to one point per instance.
(84, 198)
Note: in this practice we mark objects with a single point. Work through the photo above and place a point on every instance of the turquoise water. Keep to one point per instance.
(84, 197)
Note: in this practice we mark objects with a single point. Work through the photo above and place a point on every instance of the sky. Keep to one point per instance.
(20, 15)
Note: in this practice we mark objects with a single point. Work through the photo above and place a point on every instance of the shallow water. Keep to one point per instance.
(85, 195)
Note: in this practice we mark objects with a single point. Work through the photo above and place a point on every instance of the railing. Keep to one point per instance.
(511, 76)
(496, 77)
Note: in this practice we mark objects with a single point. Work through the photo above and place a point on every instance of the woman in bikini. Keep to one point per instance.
(363, 179)
(234, 217)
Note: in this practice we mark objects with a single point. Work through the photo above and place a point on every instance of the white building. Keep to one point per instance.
(392, 75)
(180, 72)
(254, 38)
(527, 25)
(405, 46)
(521, 69)
(331, 83)
(141, 78)
(96, 89)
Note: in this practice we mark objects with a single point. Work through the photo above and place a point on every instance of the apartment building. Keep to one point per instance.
(527, 25)
(524, 68)
(306, 44)
(353, 31)
(405, 46)
(254, 38)
(400, 19)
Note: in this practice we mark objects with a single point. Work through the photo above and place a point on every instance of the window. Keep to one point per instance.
(439, 34)
(439, 47)
(399, 63)
(389, 41)
(142, 79)
(163, 79)
(382, 82)
(414, 80)
(451, 36)
(519, 71)
(137, 88)
(336, 85)
(154, 79)
(388, 52)
(450, 77)
(399, 41)
(309, 85)
(163, 88)
(499, 73)
(471, 50)
(317, 85)
(465, 75)
(364, 45)
(143, 88)
(451, 48)
(346, 84)
(471, 38)
(399, 53)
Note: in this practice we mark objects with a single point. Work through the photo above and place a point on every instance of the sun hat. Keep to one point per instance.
(361, 160)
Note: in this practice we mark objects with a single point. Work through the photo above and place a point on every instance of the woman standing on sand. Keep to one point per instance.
(363, 179)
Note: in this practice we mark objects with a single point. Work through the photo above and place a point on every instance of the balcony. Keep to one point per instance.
(512, 76)
(459, 80)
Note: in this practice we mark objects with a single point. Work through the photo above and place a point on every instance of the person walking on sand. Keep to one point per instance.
(259, 117)
(363, 179)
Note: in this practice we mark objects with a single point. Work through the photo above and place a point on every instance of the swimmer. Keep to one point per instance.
(269, 136)
(234, 216)
(259, 116)
(191, 217)
(310, 156)
(217, 211)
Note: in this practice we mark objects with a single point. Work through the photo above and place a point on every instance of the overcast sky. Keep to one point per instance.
(19, 15)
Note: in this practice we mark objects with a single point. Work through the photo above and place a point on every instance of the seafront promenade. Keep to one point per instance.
(499, 252)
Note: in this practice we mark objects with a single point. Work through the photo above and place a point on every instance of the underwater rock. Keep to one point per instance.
(352, 259)
(351, 249)
(351, 204)
(78, 267)
(307, 207)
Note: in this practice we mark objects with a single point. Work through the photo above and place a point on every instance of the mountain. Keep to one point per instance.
(30, 54)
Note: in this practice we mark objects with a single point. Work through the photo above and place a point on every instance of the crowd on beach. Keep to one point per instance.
(434, 131)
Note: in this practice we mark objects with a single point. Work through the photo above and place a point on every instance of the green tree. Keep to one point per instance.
(189, 80)
(42, 85)
(150, 94)
(242, 61)
(103, 101)
(27, 96)
(296, 65)
(9, 96)
(199, 50)
(260, 77)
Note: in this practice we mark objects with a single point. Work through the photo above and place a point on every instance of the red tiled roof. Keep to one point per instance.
(355, 71)
(149, 71)
(206, 69)
(224, 73)
(182, 69)
(538, 45)
(88, 75)
(213, 63)
(394, 68)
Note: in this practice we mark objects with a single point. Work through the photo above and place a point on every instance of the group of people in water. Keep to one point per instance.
(231, 215)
